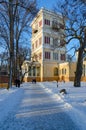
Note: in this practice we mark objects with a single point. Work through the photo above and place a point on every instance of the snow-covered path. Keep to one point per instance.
(31, 107)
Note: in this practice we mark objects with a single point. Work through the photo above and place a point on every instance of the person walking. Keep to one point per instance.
(17, 82)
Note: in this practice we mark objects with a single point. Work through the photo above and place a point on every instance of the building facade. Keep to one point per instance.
(48, 50)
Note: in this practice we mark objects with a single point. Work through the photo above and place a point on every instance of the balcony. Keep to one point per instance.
(61, 26)
(55, 25)
(58, 43)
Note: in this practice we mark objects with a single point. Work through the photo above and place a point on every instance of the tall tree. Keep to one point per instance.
(22, 22)
(15, 17)
(74, 18)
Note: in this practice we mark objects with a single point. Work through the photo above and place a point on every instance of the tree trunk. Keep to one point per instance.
(10, 73)
(17, 59)
(11, 43)
(17, 43)
(78, 73)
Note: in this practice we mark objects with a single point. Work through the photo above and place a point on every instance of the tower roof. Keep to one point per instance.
(44, 10)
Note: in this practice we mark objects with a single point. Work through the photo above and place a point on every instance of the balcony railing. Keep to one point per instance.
(58, 43)
(57, 26)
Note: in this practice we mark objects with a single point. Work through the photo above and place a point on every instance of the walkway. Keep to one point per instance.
(37, 110)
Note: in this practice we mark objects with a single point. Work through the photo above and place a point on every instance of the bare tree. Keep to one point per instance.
(74, 18)
(3, 59)
(24, 54)
(15, 17)
(22, 22)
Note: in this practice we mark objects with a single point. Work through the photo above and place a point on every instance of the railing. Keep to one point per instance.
(57, 26)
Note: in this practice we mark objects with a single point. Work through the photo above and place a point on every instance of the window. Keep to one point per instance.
(55, 56)
(56, 41)
(47, 40)
(65, 71)
(83, 70)
(47, 55)
(40, 23)
(55, 71)
(62, 71)
(34, 71)
(47, 22)
(62, 56)
(55, 25)
(29, 70)
(38, 71)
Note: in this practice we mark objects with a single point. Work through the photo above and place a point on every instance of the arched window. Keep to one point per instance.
(34, 71)
(38, 71)
(29, 71)
(65, 71)
(62, 71)
(55, 71)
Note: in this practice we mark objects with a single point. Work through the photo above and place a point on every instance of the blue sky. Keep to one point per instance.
(46, 3)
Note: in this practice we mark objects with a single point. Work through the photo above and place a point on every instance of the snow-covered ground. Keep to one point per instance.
(75, 100)
(16, 103)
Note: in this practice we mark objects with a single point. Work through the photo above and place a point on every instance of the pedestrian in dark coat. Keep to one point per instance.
(17, 82)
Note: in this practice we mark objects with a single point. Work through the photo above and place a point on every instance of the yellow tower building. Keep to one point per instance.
(48, 50)
(47, 39)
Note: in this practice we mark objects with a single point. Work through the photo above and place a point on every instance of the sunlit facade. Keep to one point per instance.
(48, 50)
